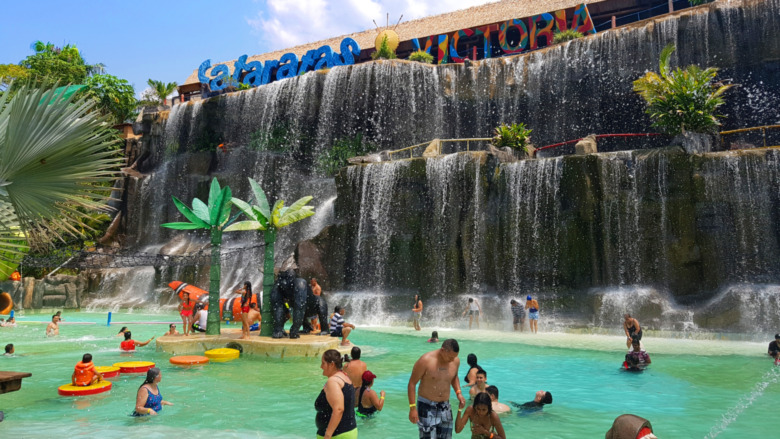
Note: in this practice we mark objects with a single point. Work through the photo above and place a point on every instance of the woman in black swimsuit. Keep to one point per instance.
(335, 404)
(368, 402)
(471, 375)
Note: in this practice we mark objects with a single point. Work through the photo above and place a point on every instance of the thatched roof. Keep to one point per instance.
(434, 25)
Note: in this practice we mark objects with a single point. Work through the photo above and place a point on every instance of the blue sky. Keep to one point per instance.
(167, 39)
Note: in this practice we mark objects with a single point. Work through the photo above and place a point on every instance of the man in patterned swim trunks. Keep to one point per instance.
(436, 371)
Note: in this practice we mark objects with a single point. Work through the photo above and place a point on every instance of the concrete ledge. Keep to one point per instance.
(306, 346)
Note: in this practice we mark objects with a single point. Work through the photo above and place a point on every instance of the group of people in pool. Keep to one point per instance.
(194, 316)
(474, 311)
(347, 394)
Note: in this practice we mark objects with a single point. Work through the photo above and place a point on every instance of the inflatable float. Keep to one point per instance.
(222, 355)
(189, 360)
(7, 304)
(107, 371)
(134, 366)
(71, 390)
(233, 304)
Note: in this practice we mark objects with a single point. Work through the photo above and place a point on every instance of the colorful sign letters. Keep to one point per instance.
(287, 66)
(526, 34)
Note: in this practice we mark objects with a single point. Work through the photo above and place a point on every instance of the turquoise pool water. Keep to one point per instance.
(694, 389)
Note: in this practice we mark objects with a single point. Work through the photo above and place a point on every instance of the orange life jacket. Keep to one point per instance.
(84, 373)
(127, 345)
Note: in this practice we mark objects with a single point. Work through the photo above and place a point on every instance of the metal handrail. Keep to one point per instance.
(745, 130)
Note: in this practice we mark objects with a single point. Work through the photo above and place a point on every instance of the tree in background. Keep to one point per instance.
(214, 216)
(54, 154)
(64, 65)
(263, 219)
(10, 73)
(113, 96)
(160, 91)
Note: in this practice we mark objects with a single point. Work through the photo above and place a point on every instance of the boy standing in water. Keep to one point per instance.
(53, 328)
(533, 313)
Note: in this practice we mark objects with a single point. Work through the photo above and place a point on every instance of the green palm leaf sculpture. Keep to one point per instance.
(214, 216)
(264, 219)
(54, 155)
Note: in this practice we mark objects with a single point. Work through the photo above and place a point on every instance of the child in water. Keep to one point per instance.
(484, 421)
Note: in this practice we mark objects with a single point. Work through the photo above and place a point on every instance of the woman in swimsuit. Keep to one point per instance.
(474, 310)
(246, 299)
(532, 305)
(185, 311)
(367, 401)
(471, 375)
(484, 421)
(149, 400)
(335, 404)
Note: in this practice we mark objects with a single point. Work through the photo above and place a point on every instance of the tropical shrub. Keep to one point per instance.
(567, 35)
(421, 56)
(682, 100)
(329, 162)
(114, 97)
(515, 136)
(384, 51)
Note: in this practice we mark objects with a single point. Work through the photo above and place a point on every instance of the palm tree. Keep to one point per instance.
(263, 218)
(53, 153)
(213, 216)
(162, 89)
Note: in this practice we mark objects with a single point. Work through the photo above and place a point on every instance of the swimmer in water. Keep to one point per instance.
(484, 421)
(53, 328)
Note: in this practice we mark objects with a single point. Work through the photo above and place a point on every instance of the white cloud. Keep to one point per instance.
(289, 23)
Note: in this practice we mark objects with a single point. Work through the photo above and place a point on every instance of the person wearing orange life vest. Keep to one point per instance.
(129, 344)
(84, 373)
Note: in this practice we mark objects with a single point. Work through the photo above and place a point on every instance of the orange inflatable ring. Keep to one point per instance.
(189, 360)
(71, 390)
(6, 303)
(134, 366)
(107, 371)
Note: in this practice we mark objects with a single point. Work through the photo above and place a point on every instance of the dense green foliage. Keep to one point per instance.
(682, 100)
(264, 219)
(329, 162)
(515, 136)
(64, 65)
(54, 154)
(275, 140)
(113, 96)
(10, 73)
(567, 35)
(384, 51)
(421, 56)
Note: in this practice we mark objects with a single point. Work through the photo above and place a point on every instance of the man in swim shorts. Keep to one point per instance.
(253, 315)
(340, 328)
(200, 319)
(316, 289)
(518, 315)
(632, 329)
(417, 312)
(436, 371)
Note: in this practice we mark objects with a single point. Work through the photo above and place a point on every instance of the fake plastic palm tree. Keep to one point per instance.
(54, 154)
(214, 216)
(269, 221)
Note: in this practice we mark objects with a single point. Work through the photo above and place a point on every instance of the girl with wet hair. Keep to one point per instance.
(149, 400)
(471, 375)
(484, 421)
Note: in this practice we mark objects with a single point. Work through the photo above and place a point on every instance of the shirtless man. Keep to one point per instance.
(417, 311)
(436, 371)
(253, 315)
(480, 384)
(498, 407)
(632, 329)
(54, 327)
(355, 368)
(316, 289)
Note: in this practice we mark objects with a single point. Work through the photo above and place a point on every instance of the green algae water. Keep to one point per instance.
(693, 389)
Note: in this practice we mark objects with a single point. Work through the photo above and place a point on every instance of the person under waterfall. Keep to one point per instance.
(532, 305)
(417, 312)
(632, 329)
(474, 310)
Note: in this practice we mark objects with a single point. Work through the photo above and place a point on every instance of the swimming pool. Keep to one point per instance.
(694, 389)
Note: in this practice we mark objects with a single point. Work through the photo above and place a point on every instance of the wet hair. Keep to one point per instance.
(53, 316)
(355, 353)
(368, 378)
(171, 326)
(58, 313)
(124, 328)
(128, 334)
(151, 374)
(8, 348)
(451, 345)
(471, 299)
(492, 391)
(482, 372)
(336, 308)
(435, 334)
(86, 358)
(333, 356)
(471, 359)
(248, 287)
(188, 297)
(252, 305)
(513, 302)
(547, 398)
(483, 398)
